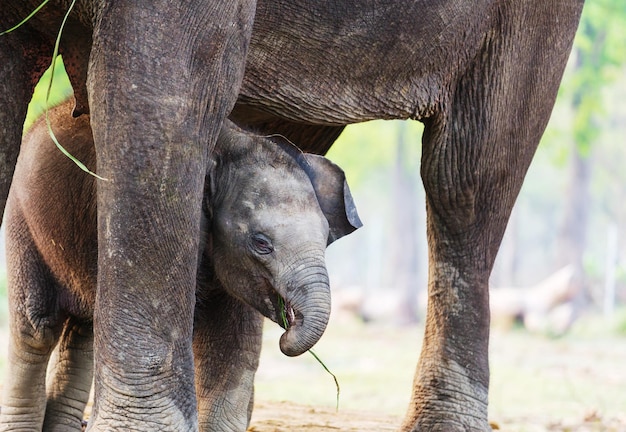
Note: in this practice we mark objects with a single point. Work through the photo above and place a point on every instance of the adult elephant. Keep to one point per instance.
(482, 76)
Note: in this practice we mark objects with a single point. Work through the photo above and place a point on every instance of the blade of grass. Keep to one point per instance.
(283, 312)
(331, 374)
(25, 19)
(55, 53)
(283, 315)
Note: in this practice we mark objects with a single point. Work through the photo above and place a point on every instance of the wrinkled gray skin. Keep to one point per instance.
(482, 76)
(263, 237)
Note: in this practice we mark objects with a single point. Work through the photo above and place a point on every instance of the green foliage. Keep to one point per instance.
(365, 148)
(60, 91)
(597, 60)
(620, 322)
(603, 33)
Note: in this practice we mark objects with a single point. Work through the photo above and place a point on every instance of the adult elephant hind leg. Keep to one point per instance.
(476, 151)
(70, 378)
(227, 346)
(161, 80)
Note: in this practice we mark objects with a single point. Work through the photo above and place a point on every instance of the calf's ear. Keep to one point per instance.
(333, 195)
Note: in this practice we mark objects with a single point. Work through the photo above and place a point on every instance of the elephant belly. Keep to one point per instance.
(314, 63)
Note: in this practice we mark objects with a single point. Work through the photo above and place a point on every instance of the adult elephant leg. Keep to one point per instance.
(161, 80)
(227, 346)
(476, 152)
(70, 378)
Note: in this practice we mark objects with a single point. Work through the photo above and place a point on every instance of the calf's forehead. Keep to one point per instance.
(271, 196)
(279, 195)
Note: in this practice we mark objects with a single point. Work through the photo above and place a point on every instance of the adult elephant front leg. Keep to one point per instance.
(476, 152)
(161, 80)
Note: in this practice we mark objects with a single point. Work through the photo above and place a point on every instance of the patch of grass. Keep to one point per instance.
(593, 325)
(620, 322)
(536, 381)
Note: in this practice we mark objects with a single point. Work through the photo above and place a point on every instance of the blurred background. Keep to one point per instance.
(558, 288)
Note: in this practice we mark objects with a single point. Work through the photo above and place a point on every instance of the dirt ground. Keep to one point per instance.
(539, 384)
(288, 417)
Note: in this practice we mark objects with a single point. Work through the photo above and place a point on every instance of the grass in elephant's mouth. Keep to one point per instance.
(286, 312)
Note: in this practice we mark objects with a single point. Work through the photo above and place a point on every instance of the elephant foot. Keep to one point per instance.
(448, 427)
(65, 426)
(165, 419)
(445, 399)
(446, 416)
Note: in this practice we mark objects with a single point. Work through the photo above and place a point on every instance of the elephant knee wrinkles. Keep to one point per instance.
(38, 339)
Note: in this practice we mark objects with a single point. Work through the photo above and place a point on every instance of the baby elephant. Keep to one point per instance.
(269, 212)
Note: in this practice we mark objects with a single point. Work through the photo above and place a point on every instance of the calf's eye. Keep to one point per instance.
(261, 244)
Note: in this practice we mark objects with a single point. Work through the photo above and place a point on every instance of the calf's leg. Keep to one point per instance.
(34, 331)
(70, 378)
(227, 346)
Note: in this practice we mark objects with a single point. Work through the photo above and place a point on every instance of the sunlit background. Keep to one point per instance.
(558, 288)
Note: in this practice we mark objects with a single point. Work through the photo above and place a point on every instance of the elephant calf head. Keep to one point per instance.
(271, 212)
